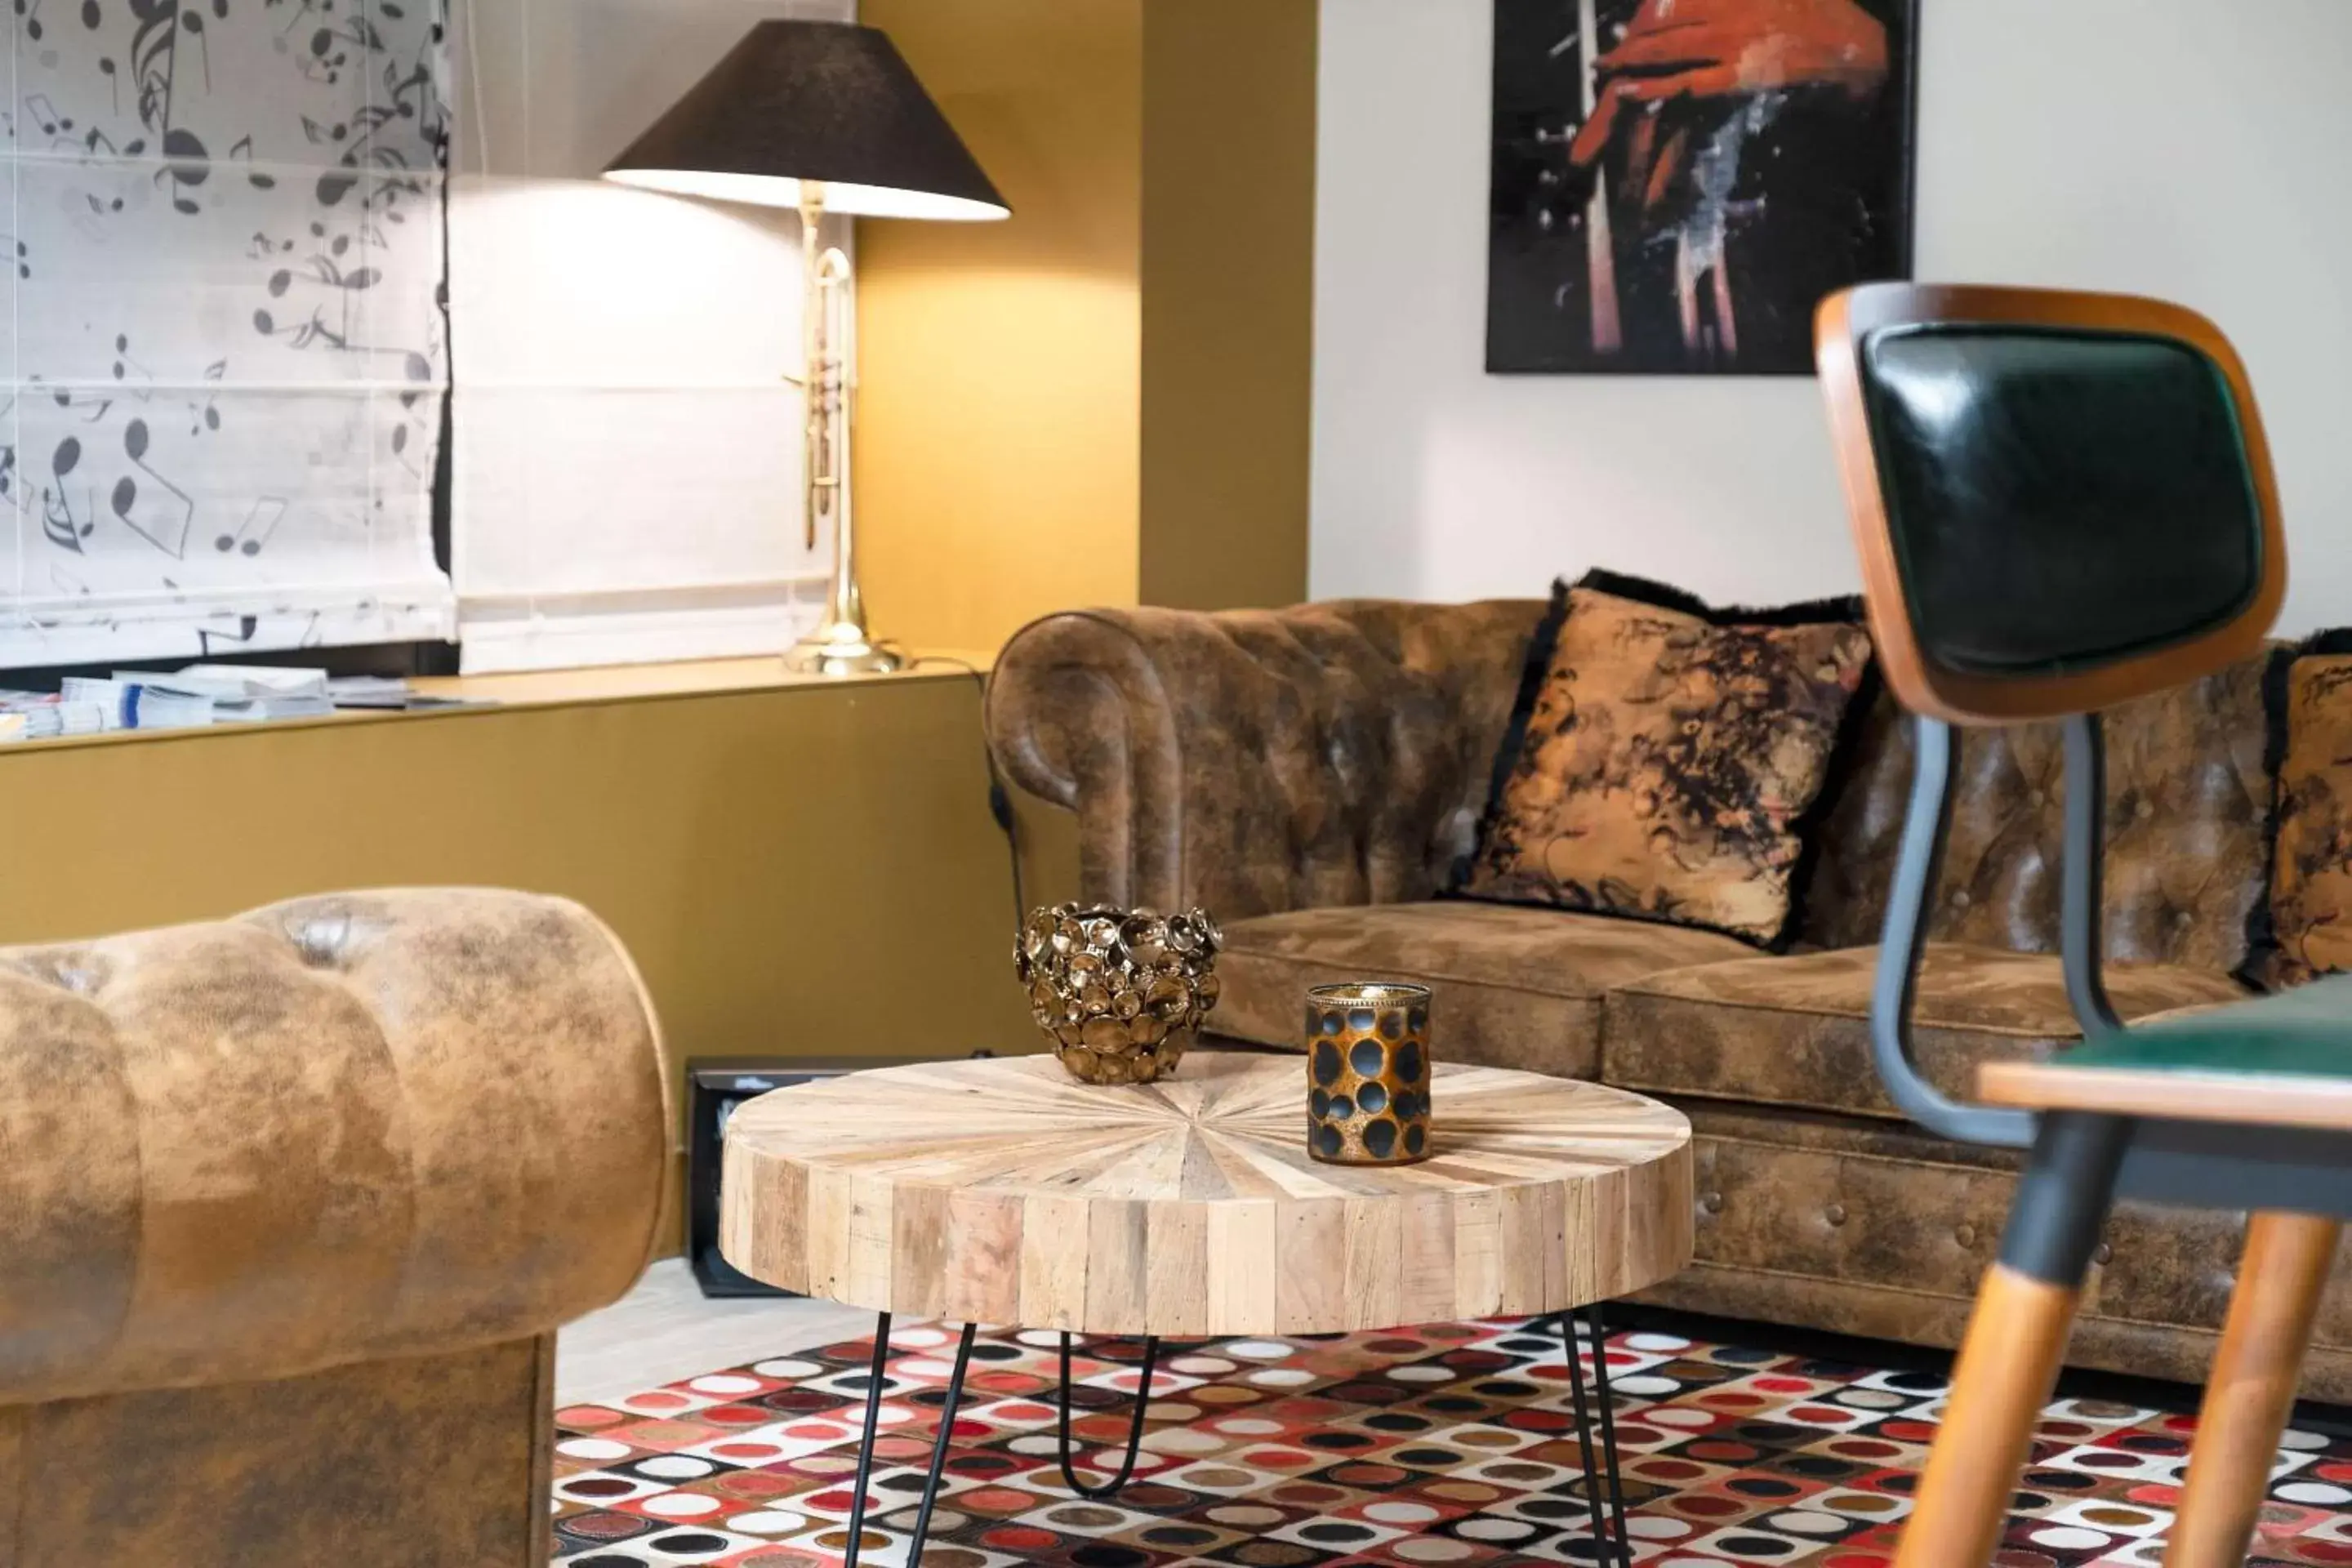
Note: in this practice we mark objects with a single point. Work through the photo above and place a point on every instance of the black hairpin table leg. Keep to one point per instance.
(1609, 1539)
(860, 1488)
(1134, 1431)
(940, 1448)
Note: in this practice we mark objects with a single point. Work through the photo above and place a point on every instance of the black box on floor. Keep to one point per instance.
(715, 1087)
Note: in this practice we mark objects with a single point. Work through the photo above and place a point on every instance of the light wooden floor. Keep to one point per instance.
(665, 1331)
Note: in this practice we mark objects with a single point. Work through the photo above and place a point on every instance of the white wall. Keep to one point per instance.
(628, 445)
(2164, 147)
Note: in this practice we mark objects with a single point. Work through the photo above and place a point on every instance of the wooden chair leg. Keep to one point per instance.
(2287, 1260)
(2016, 1338)
(2008, 1366)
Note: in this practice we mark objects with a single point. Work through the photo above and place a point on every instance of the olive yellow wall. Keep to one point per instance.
(999, 429)
(1105, 400)
(805, 870)
(1228, 300)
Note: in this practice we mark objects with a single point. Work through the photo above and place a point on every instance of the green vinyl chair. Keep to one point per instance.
(2063, 501)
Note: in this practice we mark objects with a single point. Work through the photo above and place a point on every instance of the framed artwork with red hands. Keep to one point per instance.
(1677, 184)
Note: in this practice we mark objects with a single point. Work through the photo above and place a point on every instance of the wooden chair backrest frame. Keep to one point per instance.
(1843, 329)
(1941, 697)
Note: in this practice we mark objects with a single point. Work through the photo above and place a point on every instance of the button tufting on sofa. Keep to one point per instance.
(323, 942)
(73, 970)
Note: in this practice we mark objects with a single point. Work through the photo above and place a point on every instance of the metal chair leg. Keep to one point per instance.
(2017, 1336)
(2250, 1391)
(1134, 1431)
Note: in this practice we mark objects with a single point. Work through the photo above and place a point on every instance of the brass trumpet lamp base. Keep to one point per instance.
(829, 652)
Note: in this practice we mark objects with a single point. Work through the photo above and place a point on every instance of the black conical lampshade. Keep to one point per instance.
(828, 101)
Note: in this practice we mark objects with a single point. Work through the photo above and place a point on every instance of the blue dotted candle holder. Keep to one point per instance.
(1368, 1074)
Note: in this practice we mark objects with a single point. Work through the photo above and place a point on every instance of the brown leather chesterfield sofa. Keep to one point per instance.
(1310, 776)
(290, 1206)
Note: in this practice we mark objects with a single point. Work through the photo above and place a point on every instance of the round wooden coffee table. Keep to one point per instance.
(1004, 1192)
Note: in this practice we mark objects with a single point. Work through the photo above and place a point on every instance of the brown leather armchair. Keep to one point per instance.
(290, 1207)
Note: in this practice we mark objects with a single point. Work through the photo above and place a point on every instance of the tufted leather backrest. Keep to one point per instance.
(1340, 753)
(2187, 825)
(1256, 761)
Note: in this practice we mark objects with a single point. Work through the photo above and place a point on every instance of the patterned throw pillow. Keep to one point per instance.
(2311, 878)
(1664, 757)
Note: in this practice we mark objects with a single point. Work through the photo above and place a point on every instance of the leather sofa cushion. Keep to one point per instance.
(1795, 1030)
(1660, 765)
(1514, 987)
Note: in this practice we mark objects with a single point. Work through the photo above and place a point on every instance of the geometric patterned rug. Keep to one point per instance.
(1428, 1447)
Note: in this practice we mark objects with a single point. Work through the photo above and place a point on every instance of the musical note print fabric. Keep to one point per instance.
(227, 347)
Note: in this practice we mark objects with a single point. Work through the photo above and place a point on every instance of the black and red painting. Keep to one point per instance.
(1678, 183)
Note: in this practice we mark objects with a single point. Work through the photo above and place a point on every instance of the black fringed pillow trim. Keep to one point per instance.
(1848, 608)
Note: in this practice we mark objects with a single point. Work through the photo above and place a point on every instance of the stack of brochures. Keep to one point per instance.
(369, 691)
(204, 694)
(200, 695)
(45, 716)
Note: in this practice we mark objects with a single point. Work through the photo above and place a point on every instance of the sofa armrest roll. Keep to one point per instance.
(1252, 762)
(337, 1130)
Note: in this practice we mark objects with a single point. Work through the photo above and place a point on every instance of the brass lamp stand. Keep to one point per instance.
(840, 645)
(826, 117)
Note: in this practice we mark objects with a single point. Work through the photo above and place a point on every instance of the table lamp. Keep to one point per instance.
(825, 117)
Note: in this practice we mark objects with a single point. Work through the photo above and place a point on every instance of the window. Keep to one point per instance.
(223, 391)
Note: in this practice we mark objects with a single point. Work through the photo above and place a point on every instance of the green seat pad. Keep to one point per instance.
(2306, 1031)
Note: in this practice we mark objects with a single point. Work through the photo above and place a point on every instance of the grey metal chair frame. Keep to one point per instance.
(2077, 1163)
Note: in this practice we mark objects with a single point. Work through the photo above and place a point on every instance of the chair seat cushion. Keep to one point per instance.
(1514, 987)
(1795, 1030)
(2275, 1062)
(2303, 1032)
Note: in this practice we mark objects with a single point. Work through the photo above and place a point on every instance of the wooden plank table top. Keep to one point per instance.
(1004, 1192)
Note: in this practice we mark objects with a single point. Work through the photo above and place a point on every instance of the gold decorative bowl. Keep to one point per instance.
(1119, 992)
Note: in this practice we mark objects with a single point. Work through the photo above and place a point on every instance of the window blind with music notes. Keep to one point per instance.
(227, 363)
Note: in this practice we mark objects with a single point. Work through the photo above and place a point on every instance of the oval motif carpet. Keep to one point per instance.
(1415, 1448)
